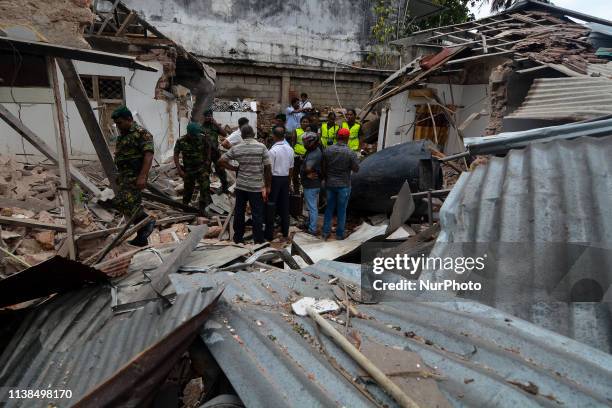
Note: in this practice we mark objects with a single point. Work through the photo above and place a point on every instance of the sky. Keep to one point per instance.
(599, 8)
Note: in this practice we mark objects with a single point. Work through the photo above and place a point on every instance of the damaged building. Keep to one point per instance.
(527, 67)
(162, 97)
(494, 139)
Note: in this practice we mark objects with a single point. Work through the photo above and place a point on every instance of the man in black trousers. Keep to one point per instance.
(281, 158)
(253, 180)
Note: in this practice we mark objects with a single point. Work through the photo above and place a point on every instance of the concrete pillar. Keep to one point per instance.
(285, 85)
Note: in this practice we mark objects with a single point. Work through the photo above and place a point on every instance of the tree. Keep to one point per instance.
(501, 5)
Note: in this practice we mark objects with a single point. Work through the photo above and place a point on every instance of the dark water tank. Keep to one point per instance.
(382, 174)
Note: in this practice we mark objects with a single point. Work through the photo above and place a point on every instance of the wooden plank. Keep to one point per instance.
(77, 91)
(25, 132)
(414, 80)
(126, 22)
(28, 223)
(63, 159)
(158, 223)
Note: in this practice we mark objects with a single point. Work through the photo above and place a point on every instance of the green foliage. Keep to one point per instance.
(391, 24)
(457, 11)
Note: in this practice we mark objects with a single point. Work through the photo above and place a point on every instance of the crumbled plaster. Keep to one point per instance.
(498, 83)
(60, 21)
(166, 57)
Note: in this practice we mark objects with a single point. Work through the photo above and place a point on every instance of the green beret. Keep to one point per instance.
(194, 128)
(281, 116)
(121, 112)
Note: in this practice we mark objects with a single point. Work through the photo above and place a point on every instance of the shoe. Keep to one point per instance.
(139, 242)
(324, 236)
(142, 235)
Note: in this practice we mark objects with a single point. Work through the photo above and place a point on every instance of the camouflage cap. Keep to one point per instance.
(194, 128)
(121, 112)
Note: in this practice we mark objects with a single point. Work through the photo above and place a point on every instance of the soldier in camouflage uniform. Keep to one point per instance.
(196, 152)
(212, 130)
(133, 158)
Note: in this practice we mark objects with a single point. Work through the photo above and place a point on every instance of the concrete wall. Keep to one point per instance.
(400, 111)
(277, 84)
(279, 31)
(264, 88)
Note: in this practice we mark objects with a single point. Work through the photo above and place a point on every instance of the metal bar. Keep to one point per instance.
(63, 160)
(38, 143)
(454, 157)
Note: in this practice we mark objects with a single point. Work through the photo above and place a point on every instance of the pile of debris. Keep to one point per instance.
(564, 45)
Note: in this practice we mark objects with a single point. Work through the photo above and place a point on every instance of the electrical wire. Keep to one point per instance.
(17, 57)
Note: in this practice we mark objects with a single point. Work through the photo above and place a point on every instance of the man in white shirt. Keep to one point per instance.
(281, 159)
(235, 137)
(305, 104)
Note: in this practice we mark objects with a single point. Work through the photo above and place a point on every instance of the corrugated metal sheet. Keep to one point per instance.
(74, 342)
(556, 192)
(604, 70)
(272, 359)
(572, 98)
(503, 142)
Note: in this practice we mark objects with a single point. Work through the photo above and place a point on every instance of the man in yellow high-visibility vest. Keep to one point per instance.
(299, 151)
(354, 142)
(329, 131)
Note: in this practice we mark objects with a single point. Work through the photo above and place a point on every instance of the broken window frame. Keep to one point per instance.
(96, 89)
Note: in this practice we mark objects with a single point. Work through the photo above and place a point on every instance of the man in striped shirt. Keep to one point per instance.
(253, 181)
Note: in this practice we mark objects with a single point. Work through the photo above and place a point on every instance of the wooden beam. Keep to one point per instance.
(25, 132)
(28, 223)
(63, 160)
(77, 91)
(111, 14)
(126, 22)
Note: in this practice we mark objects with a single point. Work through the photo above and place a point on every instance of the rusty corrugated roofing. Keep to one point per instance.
(548, 194)
(74, 342)
(573, 98)
(272, 360)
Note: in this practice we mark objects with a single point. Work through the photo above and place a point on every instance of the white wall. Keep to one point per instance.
(401, 110)
(263, 30)
(231, 118)
(159, 117)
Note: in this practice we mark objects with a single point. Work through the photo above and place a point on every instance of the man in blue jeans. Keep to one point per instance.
(310, 174)
(338, 162)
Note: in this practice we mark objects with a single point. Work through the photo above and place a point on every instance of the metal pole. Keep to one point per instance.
(62, 156)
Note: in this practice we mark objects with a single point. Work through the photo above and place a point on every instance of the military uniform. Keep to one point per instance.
(211, 134)
(197, 153)
(129, 158)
